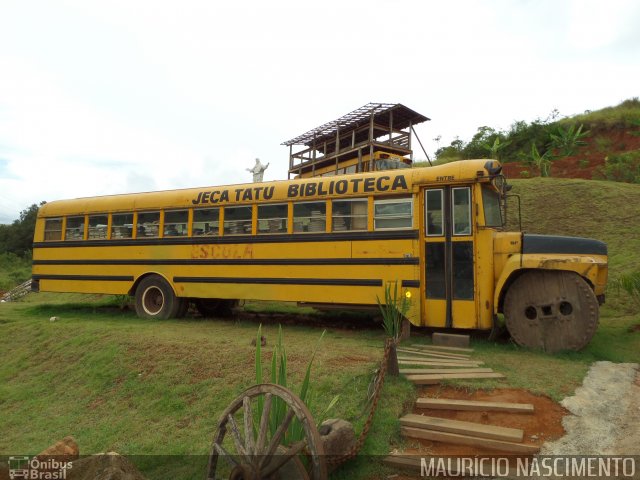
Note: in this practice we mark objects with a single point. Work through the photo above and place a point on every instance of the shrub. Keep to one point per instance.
(623, 167)
(629, 283)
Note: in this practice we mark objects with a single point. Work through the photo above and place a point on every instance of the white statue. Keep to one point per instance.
(258, 170)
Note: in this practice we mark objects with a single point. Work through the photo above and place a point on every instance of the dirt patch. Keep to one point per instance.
(589, 160)
(543, 425)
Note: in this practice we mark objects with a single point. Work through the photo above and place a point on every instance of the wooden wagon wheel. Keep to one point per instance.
(257, 454)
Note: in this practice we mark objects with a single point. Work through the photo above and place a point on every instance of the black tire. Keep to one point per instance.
(183, 307)
(155, 299)
(215, 307)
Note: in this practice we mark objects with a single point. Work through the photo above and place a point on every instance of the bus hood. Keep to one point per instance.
(557, 244)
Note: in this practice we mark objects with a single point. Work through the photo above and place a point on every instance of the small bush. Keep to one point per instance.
(13, 270)
(603, 144)
(629, 283)
(525, 174)
(623, 167)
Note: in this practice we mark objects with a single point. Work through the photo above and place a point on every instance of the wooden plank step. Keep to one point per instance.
(429, 379)
(476, 405)
(433, 353)
(469, 440)
(419, 353)
(450, 340)
(442, 347)
(430, 371)
(402, 360)
(413, 356)
(462, 428)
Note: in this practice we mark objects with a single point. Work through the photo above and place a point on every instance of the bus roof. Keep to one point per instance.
(278, 191)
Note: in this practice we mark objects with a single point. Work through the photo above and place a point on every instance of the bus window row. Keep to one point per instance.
(307, 217)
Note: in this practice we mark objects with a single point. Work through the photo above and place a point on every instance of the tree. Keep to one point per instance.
(17, 238)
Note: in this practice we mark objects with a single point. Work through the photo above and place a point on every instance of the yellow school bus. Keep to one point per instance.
(436, 231)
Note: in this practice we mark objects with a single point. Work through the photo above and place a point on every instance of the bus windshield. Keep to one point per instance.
(491, 202)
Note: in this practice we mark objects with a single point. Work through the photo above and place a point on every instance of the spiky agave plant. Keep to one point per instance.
(393, 310)
(278, 411)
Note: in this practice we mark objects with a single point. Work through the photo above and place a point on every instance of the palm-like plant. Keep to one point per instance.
(567, 141)
(496, 147)
(541, 161)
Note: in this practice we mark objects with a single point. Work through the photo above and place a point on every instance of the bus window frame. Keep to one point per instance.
(123, 225)
(293, 213)
(204, 233)
(285, 218)
(454, 224)
(82, 226)
(165, 224)
(138, 225)
(386, 200)
(250, 220)
(60, 231)
(96, 228)
(366, 216)
(442, 213)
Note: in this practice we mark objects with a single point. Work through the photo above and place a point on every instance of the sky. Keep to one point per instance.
(123, 96)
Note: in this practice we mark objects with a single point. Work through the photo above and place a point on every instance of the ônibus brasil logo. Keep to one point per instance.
(37, 469)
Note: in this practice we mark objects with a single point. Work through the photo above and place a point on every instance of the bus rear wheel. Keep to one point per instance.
(551, 310)
(155, 299)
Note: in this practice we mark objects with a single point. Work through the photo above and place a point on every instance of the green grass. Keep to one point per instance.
(625, 114)
(117, 382)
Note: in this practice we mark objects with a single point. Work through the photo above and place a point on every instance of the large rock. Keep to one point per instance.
(104, 466)
(338, 436)
(65, 450)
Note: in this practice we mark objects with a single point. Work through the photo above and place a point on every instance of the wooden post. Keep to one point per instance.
(392, 360)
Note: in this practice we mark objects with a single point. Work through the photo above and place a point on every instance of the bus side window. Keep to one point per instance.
(175, 223)
(206, 221)
(121, 225)
(98, 227)
(272, 218)
(350, 214)
(310, 217)
(435, 213)
(75, 228)
(52, 229)
(148, 224)
(237, 220)
(393, 213)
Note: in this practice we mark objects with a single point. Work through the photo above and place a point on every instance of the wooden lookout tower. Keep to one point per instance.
(376, 136)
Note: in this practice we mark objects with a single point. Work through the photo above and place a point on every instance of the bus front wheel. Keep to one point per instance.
(155, 299)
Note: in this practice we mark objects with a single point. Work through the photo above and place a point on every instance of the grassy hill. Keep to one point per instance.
(604, 210)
